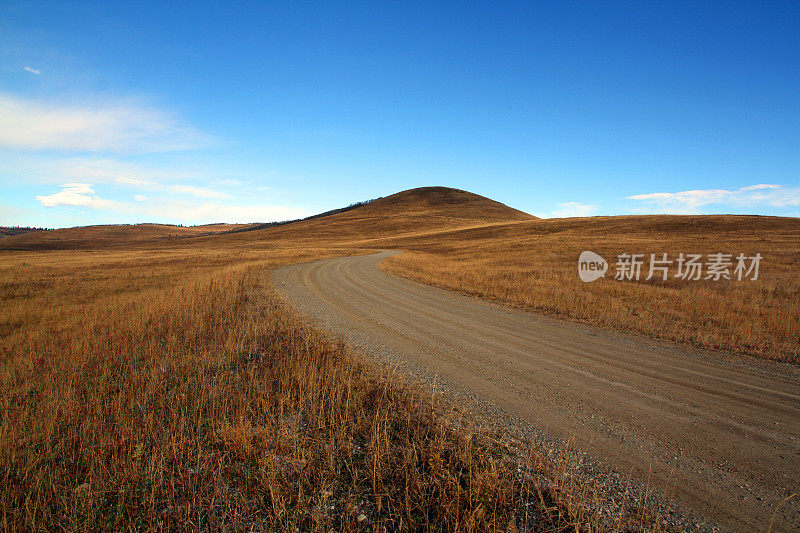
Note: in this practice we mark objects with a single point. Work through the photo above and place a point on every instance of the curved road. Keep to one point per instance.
(722, 433)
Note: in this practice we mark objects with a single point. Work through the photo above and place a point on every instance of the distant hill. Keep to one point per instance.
(407, 212)
(10, 231)
(92, 237)
(450, 202)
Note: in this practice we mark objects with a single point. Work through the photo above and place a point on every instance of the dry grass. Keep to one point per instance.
(161, 384)
(150, 389)
(533, 265)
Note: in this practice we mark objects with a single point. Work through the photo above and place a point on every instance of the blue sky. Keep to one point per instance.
(206, 112)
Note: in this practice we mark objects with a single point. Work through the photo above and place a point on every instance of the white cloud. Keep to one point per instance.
(76, 194)
(33, 70)
(691, 202)
(760, 186)
(109, 169)
(573, 209)
(144, 208)
(115, 126)
(687, 198)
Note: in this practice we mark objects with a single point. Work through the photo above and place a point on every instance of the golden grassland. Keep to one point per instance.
(533, 265)
(162, 384)
(152, 388)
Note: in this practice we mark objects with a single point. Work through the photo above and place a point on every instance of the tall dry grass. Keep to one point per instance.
(153, 390)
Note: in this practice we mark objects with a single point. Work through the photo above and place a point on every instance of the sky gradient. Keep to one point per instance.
(199, 112)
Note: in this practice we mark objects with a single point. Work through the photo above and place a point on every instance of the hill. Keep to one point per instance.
(442, 200)
(432, 207)
(102, 236)
(411, 212)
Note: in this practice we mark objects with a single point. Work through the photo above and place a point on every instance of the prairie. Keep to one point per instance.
(166, 387)
(153, 380)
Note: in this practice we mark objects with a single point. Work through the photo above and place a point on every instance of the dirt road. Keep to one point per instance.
(722, 433)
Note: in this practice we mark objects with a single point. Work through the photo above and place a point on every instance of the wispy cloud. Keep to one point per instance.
(33, 70)
(76, 194)
(112, 126)
(144, 208)
(574, 209)
(109, 169)
(760, 186)
(692, 202)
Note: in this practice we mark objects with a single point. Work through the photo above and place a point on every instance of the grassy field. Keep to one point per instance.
(533, 265)
(157, 382)
(168, 388)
